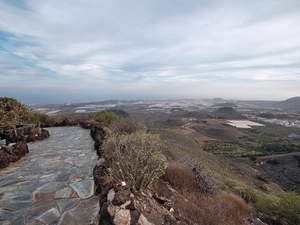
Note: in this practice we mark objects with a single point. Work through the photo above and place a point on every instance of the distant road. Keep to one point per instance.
(278, 155)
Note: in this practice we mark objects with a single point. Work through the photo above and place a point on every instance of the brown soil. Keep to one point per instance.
(224, 134)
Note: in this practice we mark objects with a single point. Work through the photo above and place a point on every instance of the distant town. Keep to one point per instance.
(283, 122)
(242, 109)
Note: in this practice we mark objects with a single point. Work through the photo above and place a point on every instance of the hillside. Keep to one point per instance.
(291, 104)
(226, 104)
(227, 113)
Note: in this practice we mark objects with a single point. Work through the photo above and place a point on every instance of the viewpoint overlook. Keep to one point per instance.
(150, 162)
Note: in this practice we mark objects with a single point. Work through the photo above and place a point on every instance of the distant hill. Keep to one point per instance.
(119, 112)
(226, 104)
(227, 113)
(291, 104)
(226, 110)
(218, 99)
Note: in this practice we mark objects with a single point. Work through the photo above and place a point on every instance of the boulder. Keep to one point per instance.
(29, 133)
(88, 124)
(4, 159)
(20, 149)
(115, 199)
(31, 138)
(43, 134)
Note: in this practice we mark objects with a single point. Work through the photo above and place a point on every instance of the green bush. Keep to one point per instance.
(12, 112)
(127, 126)
(289, 208)
(135, 158)
(105, 118)
(285, 208)
(36, 117)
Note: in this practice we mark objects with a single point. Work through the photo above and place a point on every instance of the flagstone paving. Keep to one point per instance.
(53, 184)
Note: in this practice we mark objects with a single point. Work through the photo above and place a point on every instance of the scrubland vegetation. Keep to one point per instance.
(139, 158)
(215, 189)
(135, 158)
(11, 113)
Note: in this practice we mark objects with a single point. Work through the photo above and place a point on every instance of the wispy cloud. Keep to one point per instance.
(137, 48)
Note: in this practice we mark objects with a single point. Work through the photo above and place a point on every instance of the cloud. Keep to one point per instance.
(170, 48)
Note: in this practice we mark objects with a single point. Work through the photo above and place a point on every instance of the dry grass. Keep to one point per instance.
(211, 208)
(180, 177)
(225, 209)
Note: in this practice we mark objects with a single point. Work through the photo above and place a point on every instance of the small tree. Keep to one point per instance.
(104, 118)
(135, 158)
(127, 126)
(37, 117)
(11, 113)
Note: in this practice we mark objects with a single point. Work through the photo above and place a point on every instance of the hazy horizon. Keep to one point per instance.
(82, 51)
(149, 99)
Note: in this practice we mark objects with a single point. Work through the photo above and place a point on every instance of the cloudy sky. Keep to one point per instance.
(89, 50)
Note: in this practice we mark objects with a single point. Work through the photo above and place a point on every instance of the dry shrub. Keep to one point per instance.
(191, 177)
(127, 126)
(180, 177)
(135, 158)
(207, 184)
(225, 209)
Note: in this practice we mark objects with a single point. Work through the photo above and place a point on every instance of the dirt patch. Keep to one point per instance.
(201, 138)
(284, 170)
(224, 134)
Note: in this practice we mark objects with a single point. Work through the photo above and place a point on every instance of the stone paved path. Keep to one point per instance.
(53, 184)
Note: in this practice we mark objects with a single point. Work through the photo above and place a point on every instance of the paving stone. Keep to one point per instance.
(75, 170)
(42, 196)
(76, 178)
(16, 201)
(49, 216)
(90, 165)
(39, 208)
(36, 222)
(65, 204)
(84, 189)
(84, 213)
(64, 177)
(30, 177)
(6, 223)
(19, 220)
(66, 192)
(55, 222)
(50, 176)
(15, 205)
(8, 189)
(27, 189)
(29, 186)
(11, 182)
(50, 187)
(90, 175)
(5, 216)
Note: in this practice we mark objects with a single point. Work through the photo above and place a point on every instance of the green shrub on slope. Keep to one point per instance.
(135, 158)
(105, 118)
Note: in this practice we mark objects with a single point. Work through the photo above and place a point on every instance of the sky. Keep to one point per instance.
(55, 51)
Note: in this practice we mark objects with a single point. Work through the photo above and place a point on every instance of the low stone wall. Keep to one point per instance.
(97, 133)
(28, 133)
(12, 153)
(115, 198)
(117, 203)
(19, 136)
